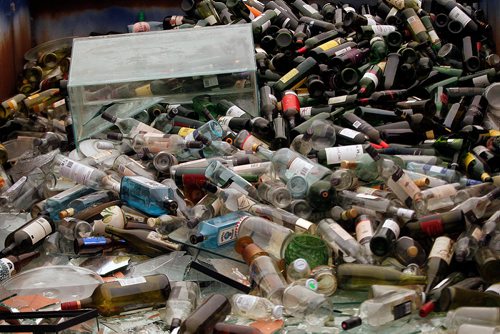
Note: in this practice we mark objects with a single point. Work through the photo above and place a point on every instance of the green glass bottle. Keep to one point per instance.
(371, 79)
(296, 76)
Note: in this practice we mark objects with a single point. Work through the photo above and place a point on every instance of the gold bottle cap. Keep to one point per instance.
(348, 164)
(412, 251)
(248, 250)
(69, 212)
(352, 213)
(255, 147)
(422, 182)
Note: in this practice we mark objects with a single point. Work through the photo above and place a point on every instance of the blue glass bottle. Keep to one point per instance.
(218, 231)
(87, 201)
(150, 197)
(53, 205)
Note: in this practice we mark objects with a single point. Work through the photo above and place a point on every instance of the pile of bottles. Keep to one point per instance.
(374, 167)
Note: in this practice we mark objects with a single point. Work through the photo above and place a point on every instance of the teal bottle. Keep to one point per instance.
(218, 231)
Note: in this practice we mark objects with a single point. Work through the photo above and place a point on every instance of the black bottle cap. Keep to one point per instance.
(196, 238)
(351, 323)
(176, 322)
(210, 187)
(114, 136)
(108, 117)
(170, 205)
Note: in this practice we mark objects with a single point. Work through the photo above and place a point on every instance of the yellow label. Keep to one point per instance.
(144, 90)
(329, 45)
(468, 159)
(32, 97)
(12, 104)
(183, 132)
(494, 133)
(289, 75)
(429, 134)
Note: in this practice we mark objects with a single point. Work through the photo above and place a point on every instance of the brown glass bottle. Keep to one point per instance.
(203, 319)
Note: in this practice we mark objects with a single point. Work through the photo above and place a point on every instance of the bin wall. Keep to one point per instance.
(492, 9)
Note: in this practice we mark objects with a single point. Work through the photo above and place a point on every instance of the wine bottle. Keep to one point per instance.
(112, 298)
(296, 76)
(385, 237)
(203, 319)
(439, 261)
(436, 225)
(11, 264)
(455, 297)
(183, 298)
(361, 125)
(27, 237)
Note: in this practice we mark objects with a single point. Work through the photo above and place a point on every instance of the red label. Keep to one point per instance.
(290, 102)
(433, 227)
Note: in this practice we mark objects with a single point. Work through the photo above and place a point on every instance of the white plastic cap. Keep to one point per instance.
(278, 312)
(300, 265)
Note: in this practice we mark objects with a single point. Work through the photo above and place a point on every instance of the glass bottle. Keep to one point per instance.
(364, 227)
(11, 264)
(28, 236)
(274, 192)
(476, 208)
(302, 143)
(166, 224)
(407, 251)
(455, 297)
(218, 231)
(371, 78)
(356, 122)
(203, 319)
(129, 127)
(263, 270)
(298, 269)
(385, 237)
(255, 307)
(468, 243)
(296, 75)
(301, 302)
(151, 197)
(219, 174)
(356, 276)
(55, 204)
(439, 261)
(283, 217)
(208, 207)
(475, 168)
(112, 298)
(484, 316)
(84, 202)
(127, 166)
(183, 298)
(335, 155)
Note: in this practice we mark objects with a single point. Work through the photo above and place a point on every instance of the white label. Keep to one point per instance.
(443, 191)
(494, 288)
(210, 81)
(211, 20)
(392, 12)
(364, 231)
(399, 4)
(334, 155)
(349, 133)
(226, 235)
(38, 230)
(235, 111)
(370, 19)
(285, 23)
(366, 196)
(337, 99)
(437, 169)
(372, 77)
(131, 281)
(477, 234)
(443, 248)
(356, 124)
(342, 51)
(434, 36)
(481, 81)
(393, 226)
(302, 224)
(405, 213)
(458, 15)
(76, 171)
(340, 231)
(383, 30)
(265, 25)
(224, 121)
(300, 167)
(310, 9)
(277, 11)
(251, 167)
(8, 265)
(246, 303)
(305, 112)
(143, 127)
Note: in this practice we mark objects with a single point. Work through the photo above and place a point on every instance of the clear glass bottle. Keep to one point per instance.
(274, 192)
(184, 297)
(468, 243)
(298, 269)
(219, 174)
(255, 307)
(485, 316)
(302, 302)
(129, 127)
(476, 208)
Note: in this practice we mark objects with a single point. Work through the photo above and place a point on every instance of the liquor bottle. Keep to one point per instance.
(83, 174)
(255, 307)
(263, 270)
(218, 231)
(385, 237)
(112, 298)
(28, 236)
(481, 316)
(165, 121)
(436, 225)
(355, 276)
(221, 175)
(407, 251)
(129, 127)
(274, 192)
(208, 207)
(476, 208)
(11, 264)
(335, 155)
(283, 217)
(439, 261)
(343, 179)
(126, 166)
(146, 242)
(297, 270)
(302, 143)
(183, 298)
(203, 319)
(468, 243)
(341, 241)
(455, 297)
(301, 302)
(84, 202)
(354, 121)
(151, 197)
(53, 205)
(364, 227)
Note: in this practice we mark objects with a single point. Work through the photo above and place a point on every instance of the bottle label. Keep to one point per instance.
(357, 124)
(481, 81)
(235, 111)
(211, 20)
(444, 191)
(156, 237)
(405, 213)
(434, 36)
(94, 241)
(405, 182)
(458, 15)
(300, 167)
(341, 232)
(144, 90)
(477, 234)
(226, 235)
(371, 75)
(302, 224)
(329, 45)
(287, 77)
(468, 159)
(368, 196)
(310, 9)
(210, 81)
(399, 4)
(442, 248)
(183, 132)
(416, 25)
(393, 226)
(434, 169)
(75, 171)
(216, 205)
(38, 229)
(349, 133)
(342, 51)
(432, 227)
(337, 100)
(224, 121)
(246, 303)
(383, 30)
(364, 231)
(334, 155)
(131, 281)
(402, 310)
(392, 12)
(305, 112)
(494, 288)
(6, 269)
(370, 19)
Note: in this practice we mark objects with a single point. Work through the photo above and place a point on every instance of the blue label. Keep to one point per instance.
(94, 241)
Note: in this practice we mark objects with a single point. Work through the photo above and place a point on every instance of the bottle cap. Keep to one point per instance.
(114, 135)
(109, 117)
(170, 205)
(412, 251)
(69, 212)
(248, 249)
(426, 309)
(351, 323)
(73, 305)
(277, 312)
(300, 265)
(311, 284)
(196, 238)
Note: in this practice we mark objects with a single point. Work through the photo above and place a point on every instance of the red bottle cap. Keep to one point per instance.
(384, 144)
(73, 305)
(426, 309)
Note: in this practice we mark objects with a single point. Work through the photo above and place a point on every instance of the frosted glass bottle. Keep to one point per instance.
(255, 307)
(183, 298)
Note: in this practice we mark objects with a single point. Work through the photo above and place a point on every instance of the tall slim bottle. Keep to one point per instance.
(439, 261)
